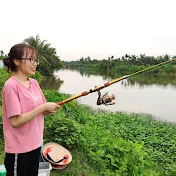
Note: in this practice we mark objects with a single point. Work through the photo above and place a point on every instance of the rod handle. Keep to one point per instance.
(60, 103)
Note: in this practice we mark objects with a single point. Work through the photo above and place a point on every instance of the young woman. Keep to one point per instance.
(23, 107)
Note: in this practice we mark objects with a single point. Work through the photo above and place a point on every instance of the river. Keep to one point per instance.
(144, 94)
(1, 64)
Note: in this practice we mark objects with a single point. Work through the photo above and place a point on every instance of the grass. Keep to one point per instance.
(2, 153)
(78, 167)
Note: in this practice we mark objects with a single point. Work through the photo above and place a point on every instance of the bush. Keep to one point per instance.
(64, 131)
(113, 155)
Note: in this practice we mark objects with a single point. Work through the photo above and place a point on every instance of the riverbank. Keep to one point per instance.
(110, 143)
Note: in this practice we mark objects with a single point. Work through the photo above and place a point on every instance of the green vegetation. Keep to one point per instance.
(111, 143)
(104, 143)
(125, 65)
(2, 57)
(3, 77)
(47, 55)
(2, 54)
(37, 76)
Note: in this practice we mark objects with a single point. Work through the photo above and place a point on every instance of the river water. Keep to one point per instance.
(1, 64)
(149, 94)
(144, 94)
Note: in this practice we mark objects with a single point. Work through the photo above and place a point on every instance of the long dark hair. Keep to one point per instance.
(16, 52)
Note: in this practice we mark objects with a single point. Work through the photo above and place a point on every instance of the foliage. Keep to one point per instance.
(126, 64)
(37, 76)
(62, 130)
(159, 137)
(2, 154)
(2, 57)
(2, 54)
(47, 55)
(113, 155)
(1, 126)
(53, 96)
(3, 77)
(171, 170)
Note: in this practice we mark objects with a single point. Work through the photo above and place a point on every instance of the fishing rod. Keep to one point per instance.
(107, 98)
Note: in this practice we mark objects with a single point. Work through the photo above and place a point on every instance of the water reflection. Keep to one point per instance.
(141, 79)
(51, 83)
(144, 80)
(1, 64)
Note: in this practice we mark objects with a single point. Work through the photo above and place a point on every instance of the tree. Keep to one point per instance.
(2, 53)
(49, 61)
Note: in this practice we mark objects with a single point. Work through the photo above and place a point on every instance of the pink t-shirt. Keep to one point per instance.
(16, 100)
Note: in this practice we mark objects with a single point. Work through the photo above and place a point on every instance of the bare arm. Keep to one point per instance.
(19, 120)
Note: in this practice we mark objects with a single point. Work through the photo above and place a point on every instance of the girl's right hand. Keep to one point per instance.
(51, 107)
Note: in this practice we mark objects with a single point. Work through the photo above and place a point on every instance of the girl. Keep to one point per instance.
(23, 107)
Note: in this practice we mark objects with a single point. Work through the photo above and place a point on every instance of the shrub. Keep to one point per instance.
(63, 131)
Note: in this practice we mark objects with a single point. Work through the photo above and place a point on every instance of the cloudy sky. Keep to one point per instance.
(95, 28)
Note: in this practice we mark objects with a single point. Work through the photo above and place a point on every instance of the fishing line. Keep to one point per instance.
(107, 99)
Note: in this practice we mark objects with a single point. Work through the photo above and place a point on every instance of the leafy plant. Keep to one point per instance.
(64, 131)
(114, 155)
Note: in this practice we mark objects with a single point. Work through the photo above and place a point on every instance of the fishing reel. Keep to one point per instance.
(105, 99)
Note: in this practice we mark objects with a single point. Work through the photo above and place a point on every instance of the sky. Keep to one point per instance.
(94, 28)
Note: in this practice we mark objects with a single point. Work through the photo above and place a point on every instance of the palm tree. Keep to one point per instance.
(47, 55)
(2, 53)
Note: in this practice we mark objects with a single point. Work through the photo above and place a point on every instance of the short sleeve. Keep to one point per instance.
(11, 101)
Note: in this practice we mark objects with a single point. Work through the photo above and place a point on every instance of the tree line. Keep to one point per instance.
(126, 64)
